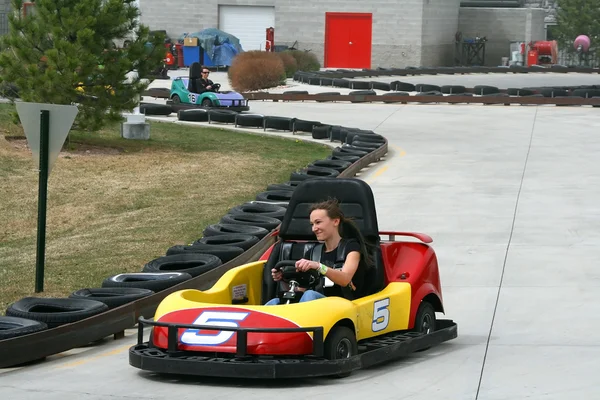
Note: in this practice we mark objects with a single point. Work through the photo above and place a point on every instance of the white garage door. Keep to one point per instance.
(247, 23)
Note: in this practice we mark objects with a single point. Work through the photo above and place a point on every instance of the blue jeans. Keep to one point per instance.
(307, 296)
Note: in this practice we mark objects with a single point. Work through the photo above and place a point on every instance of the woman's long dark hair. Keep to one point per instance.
(347, 228)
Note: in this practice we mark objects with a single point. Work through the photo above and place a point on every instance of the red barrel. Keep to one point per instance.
(532, 57)
(544, 48)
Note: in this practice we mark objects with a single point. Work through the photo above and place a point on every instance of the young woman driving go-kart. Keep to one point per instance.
(343, 259)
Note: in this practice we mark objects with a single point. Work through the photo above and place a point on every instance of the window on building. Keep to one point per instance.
(550, 31)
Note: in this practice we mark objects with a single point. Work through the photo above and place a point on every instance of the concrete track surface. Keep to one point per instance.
(510, 197)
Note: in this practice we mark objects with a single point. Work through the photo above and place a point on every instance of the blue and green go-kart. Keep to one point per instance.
(183, 94)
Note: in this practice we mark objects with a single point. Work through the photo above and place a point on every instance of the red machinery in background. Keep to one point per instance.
(270, 43)
(542, 52)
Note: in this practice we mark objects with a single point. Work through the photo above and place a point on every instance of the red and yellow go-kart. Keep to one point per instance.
(227, 331)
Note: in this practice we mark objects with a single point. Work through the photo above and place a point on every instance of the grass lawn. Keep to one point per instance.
(115, 204)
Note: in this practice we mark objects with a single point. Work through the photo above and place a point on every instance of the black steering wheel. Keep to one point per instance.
(308, 279)
(216, 87)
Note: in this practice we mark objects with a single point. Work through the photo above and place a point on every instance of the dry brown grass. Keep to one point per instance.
(254, 70)
(114, 205)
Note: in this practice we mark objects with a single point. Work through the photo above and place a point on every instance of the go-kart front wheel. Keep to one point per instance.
(340, 343)
(206, 103)
(176, 99)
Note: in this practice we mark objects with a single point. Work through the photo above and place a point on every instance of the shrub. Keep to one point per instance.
(254, 70)
(289, 63)
(306, 61)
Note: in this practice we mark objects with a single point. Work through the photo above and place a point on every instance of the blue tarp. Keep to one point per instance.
(219, 46)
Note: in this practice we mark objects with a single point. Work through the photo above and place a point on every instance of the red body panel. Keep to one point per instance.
(415, 263)
(213, 341)
(348, 40)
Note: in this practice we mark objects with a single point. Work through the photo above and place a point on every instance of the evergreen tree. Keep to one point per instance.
(64, 53)
(577, 17)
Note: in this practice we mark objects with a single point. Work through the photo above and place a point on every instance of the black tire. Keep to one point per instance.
(381, 86)
(321, 132)
(519, 92)
(155, 109)
(301, 125)
(356, 148)
(453, 89)
(112, 297)
(224, 253)
(55, 312)
(147, 280)
(363, 93)
(223, 116)
(367, 145)
(349, 158)
(551, 92)
(251, 120)
(223, 229)
(361, 85)
(340, 151)
(279, 123)
(176, 99)
(311, 172)
(338, 165)
(296, 92)
(339, 344)
(289, 185)
(11, 327)
(335, 133)
(403, 86)
(230, 239)
(275, 195)
(369, 138)
(192, 263)
(251, 219)
(163, 93)
(267, 210)
(341, 83)
(423, 87)
(485, 90)
(425, 320)
(206, 103)
(194, 115)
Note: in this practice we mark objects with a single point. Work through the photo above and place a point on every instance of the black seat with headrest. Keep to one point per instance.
(356, 201)
(195, 74)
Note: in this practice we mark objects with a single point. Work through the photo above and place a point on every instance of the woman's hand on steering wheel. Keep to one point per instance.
(276, 274)
(304, 265)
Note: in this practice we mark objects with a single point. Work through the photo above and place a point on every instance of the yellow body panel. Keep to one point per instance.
(372, 315)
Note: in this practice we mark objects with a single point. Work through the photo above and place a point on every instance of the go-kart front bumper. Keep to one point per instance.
(374, 351)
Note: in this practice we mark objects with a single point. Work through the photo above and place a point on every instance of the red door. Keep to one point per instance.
(348, 40)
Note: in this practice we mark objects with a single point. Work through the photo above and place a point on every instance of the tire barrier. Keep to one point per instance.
(546, 96)
(340, 77)
(35, 328)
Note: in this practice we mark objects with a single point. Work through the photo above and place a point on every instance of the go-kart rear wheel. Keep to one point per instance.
(425, 320)
(340, 343)
(206, 103)
(176, 99)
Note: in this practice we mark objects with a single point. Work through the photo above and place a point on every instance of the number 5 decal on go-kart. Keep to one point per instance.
(213, 318)
(381, 315)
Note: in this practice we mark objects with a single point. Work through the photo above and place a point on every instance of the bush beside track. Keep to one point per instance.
(35, 328)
